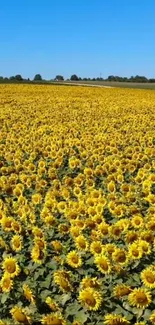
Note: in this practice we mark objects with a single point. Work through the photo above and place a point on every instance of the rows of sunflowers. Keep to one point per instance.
(77, 205)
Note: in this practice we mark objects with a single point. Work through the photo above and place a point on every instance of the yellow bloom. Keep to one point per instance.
(135, 251)
(148, 277)
(90, 298)
(120, 256)
(121, 290)
(140, 298)
(96, 247)
(16, 243)
(53, 319)
(19, 315)
(152, 318)
(103, 264)
(81, 243)
(73, 259)
(52, 304)
(88, 282)
(6, 283)
(11, 267)
(62, 279)
(112, 319)
(28, 293)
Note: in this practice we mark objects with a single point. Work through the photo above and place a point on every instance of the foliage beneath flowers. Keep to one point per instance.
(77, 206)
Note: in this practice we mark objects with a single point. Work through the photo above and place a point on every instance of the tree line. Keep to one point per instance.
(74, 77)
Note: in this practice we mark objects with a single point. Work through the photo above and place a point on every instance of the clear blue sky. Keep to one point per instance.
(86, 37)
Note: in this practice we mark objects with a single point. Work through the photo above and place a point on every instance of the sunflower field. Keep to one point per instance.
(77, 205)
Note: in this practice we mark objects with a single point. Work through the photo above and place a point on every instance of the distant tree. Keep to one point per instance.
(74, 77)
(1, 78)
(18, 77)
(37, 77)
(12, 78)
(85, 79)
(152, 80)
(59, 78)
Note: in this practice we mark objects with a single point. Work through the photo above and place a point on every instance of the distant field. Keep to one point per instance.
(115, 84)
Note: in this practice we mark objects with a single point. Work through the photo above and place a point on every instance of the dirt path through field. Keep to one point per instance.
(88, 85)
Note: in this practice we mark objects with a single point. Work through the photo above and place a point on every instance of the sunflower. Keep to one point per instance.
(135, 251)
(109, 248)
(11, 267)
(57, 246)
(52, 304)
(62, 279)
(113, 319)
(115, 231)
(19, 315)
(75, 322)
(90, 298)
(140, 298)
(103, 229)
(120, 256)
(6, 283)
(16, 226)
(137, 221)
(81, 243)
(148, 277)
(131, 236)
(75, 231)
(37, 254)
(152, 318)
(145, 246)
(88, 282)
(111, 187)
(96, 247)
(121, 290)
(16, 243)
(73, 259)
(28, 293)
(6, 223)
(53, 319)
(61, 206)
(103, 264)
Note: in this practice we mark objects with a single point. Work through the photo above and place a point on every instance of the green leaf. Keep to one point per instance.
(81, 316)
(4, 297)
(64, 298)
(45, 293)
(72, 309)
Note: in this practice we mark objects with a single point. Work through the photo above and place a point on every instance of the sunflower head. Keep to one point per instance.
(28, 293)
(6, 283)
(112, 319)
(19, 315)
(120, 257)
(52, 304)
(88, 282)
(103, 264)
(73, 259)
(62, 279)
(152, 318)
(90, 298)
(140, 298)
(11, 267)
(16, 243)
(121, 290)
(53, 319)
(148, 277)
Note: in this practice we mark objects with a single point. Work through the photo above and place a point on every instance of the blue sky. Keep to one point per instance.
(86, 37)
